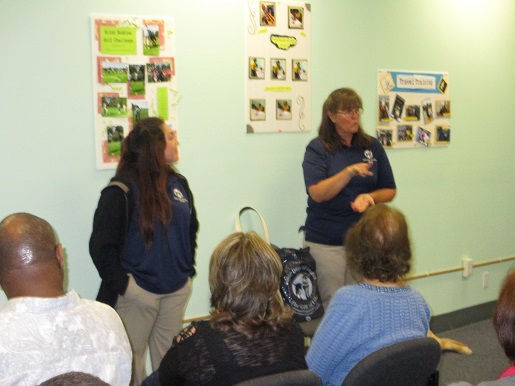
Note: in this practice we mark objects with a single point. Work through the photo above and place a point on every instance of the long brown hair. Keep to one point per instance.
(244, 278)
(340, 99)
(144, 160)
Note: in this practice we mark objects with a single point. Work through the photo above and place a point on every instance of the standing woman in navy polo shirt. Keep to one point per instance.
(345, 172)
(143, 242)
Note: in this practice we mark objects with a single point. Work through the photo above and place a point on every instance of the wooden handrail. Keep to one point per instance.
(414, 277)
(444, 271)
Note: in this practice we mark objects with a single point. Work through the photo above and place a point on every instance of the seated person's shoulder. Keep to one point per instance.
(187, 333)
(99, 316)
(99, 309)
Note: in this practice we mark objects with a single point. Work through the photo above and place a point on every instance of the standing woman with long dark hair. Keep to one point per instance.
(143, 242)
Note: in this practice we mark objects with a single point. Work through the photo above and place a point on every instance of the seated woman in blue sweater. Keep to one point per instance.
(378, 311)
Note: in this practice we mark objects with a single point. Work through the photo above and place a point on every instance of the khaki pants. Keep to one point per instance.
(153, 320)
(332, 271)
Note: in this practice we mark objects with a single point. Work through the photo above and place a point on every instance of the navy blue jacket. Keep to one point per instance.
(117, 247)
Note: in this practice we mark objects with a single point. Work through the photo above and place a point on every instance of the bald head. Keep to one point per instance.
(28, 247)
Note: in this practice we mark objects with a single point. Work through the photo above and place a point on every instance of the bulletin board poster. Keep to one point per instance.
(278, 67)
(414, 109)
(133, 78)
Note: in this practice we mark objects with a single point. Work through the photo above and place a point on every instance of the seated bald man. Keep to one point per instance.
(45, 331)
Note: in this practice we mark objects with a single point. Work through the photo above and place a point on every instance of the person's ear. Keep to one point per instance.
(59, 254)
(331, 116)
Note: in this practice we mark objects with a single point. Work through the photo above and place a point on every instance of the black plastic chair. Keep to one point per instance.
(413, 362)
(289, 378)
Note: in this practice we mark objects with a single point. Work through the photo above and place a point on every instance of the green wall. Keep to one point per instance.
(458, 199)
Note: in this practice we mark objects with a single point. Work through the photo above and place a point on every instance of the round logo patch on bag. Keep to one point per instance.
(299, 286)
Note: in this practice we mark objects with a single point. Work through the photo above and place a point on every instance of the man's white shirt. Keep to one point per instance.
(44, 337)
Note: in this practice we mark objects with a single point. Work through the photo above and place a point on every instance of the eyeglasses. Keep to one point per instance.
(358, 110)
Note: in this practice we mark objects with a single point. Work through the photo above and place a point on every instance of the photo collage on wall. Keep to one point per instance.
(133, 78)
(414, 109)
(278, 85)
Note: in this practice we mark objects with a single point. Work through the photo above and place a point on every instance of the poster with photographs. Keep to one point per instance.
(414, 109)
(278, 82)
(133, 78)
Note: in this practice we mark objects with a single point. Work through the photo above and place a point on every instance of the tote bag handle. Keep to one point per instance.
(266, 235)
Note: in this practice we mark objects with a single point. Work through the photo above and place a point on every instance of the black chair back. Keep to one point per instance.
(413, 362)
(289, 378)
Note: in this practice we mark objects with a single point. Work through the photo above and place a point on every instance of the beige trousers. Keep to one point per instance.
(151, 320)
(332, 271)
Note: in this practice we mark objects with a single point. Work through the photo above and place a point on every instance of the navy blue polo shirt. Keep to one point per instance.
(328, 222)
(167, 265)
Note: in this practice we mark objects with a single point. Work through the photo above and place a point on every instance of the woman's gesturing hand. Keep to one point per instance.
(362, 169)
(362, 202)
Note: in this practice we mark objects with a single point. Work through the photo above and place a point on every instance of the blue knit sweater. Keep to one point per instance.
(361, 319)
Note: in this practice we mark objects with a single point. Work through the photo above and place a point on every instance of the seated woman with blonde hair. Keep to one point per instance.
(251, 332)
(378, 311)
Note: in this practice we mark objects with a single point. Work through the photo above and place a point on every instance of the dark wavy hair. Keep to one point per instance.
(74, 378)
(378, 245)
(244, 278)
(504, 316)
(340, 99)
(143, 159)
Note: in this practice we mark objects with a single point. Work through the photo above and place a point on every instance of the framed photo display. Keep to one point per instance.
(278, 82)
(133, 78)
(414, 109)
